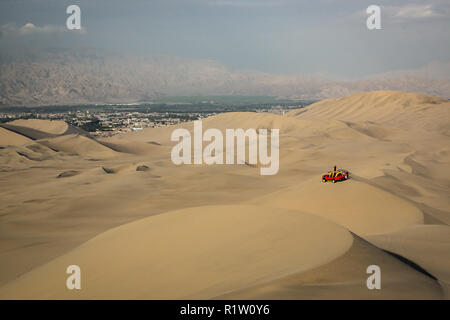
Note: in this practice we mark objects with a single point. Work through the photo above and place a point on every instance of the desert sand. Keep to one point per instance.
(198, 252)
(9, 138)
(225, 231)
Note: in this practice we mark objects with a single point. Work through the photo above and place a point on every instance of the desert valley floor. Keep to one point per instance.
(141, 227)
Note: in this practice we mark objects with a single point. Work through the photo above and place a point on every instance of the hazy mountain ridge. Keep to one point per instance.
(91, 77)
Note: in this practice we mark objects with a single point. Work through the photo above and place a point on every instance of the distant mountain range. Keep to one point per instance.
(89, 76)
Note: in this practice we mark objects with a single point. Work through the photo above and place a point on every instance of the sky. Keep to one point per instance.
(307, 37)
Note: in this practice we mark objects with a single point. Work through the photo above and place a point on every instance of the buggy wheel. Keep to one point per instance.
(334, 181)
(323, 180)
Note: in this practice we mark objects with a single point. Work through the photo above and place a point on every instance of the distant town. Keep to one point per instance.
(111, 119)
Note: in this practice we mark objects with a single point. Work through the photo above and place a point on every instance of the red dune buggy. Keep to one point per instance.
(336, 175)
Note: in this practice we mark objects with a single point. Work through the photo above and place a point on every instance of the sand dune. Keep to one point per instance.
(81, 145)
(9, 138)
(24, 155)
(158, 232)
(427, 245)
(35, 129)
(373, 106)
(9, 158)
(57, 135)
(192, 253)
(357, 206)
(48, 126)
(28, 132)
(345, 277)
(136, 148)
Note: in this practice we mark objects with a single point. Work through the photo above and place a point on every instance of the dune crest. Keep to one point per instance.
(81, 145)
(422, 244)
(48, 126)
(370, 106)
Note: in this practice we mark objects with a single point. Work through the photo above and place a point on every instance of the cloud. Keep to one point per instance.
(31, 29)
(416, 12)
(413, 12)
